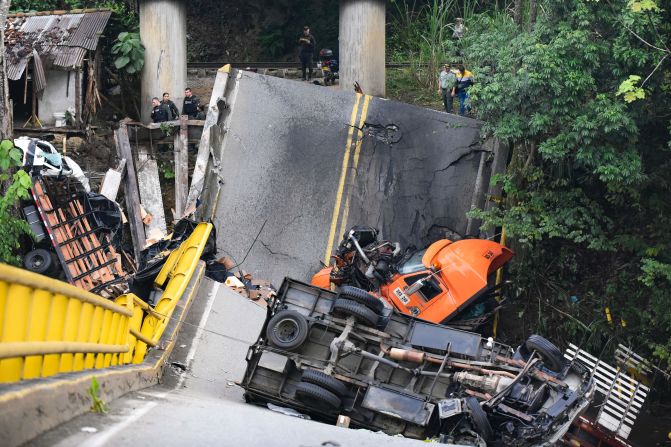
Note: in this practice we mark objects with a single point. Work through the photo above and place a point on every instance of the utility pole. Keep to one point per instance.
(6, 125)
(163, 33)
(362, 45)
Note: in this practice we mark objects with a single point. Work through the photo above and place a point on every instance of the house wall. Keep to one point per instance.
(57, 97)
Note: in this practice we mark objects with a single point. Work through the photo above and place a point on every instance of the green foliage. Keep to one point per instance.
(587, 191)
(272, 41)
(167, 129)
(49, 5)
(643, 5)
(129, 53)
(97, 404)
(630, 90)
(17, 185)
(167, 168)
(422, 35)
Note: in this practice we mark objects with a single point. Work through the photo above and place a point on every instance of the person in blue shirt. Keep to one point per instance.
(464, 81)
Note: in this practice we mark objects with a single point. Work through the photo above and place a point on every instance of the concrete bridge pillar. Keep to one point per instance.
(362, 45)
(163, 33)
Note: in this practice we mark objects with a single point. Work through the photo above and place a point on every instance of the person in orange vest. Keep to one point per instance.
(464, 81)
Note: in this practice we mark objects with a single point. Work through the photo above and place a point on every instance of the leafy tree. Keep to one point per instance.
(129, 53)
(48, 5)
(18, 182)
(579, 89)
(586, 189)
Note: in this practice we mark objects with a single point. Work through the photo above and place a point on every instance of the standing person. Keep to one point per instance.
(446, 81)
(308, 44)
(459, 28)
(159, 112)
(173, 113)
(191, 104)
(464, 81)
(459, 31)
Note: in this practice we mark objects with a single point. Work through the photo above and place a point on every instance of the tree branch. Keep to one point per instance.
(645, 41)
(653, 71)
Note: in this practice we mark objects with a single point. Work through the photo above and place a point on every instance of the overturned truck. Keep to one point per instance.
(329, 354)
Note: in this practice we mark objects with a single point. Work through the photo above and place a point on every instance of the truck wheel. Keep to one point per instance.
(38, 261)
(362, 297)
(325, 381)
(316, 396)
(348, 308)
(551, 355)
(287, 330)
(479, 418)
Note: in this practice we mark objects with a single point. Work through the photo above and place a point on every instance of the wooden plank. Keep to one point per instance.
(181, 166)
(132, 191)
(211, 119)
(78, 98)
(151, 195)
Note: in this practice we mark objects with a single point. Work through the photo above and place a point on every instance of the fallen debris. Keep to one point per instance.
(112, 181)
(84, 235)
(287, 411)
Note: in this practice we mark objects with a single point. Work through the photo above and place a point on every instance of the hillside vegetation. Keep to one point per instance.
(580, 91)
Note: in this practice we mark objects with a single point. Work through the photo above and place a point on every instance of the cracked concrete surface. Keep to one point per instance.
(283, 159)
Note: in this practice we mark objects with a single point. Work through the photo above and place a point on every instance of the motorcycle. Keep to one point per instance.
(328, 65)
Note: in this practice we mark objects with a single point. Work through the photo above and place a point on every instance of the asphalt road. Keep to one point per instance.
(309, 161)
(202, 405)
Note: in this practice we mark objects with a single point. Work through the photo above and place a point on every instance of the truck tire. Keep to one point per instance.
(479, 418)
(360, 312)
(362, 297)
(325, 381)
(315, 396)
(287, 330)
(39, 261)
(551, 355)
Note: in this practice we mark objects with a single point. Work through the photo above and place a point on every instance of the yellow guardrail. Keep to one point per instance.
(49, 327)
(177, 271)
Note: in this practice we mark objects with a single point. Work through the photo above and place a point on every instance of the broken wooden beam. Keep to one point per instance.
(181, 148)
(132, 191)
(204, 149)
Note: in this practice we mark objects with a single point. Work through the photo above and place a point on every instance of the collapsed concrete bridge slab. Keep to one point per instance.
(296, 164)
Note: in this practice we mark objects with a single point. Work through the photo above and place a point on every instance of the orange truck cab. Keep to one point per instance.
(435, 284)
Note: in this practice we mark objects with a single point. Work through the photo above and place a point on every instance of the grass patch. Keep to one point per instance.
(403, 85)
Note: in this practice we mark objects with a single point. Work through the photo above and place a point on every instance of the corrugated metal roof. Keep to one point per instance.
(62, 39)
(88, 32)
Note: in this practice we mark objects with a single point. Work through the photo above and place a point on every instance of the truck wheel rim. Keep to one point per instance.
(36, 261)
(287, 330)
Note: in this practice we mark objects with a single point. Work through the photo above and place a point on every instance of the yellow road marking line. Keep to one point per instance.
(355, 164)
(341, 183)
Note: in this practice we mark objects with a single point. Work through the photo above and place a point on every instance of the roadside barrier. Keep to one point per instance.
(49, 327)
